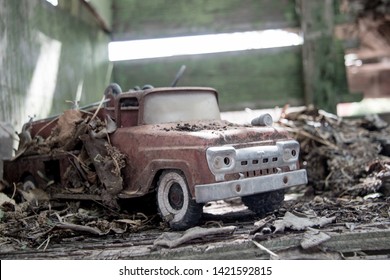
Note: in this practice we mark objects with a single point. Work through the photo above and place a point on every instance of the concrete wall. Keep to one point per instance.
(47, 55)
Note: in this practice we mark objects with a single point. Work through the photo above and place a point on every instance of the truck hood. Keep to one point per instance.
(203, 133)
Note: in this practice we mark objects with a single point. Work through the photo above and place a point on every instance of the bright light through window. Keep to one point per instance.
(202, 44)
(53, 2)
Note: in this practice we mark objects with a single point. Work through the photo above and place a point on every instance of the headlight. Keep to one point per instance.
(221, 159)
(220, 162)
(289, 149)
(289, 154)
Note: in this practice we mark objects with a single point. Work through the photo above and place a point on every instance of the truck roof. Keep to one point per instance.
(140, 94)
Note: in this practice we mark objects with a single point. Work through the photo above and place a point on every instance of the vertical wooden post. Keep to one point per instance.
(323, 56)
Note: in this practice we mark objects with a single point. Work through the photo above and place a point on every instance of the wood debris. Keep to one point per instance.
(95, 165)
(174, 239)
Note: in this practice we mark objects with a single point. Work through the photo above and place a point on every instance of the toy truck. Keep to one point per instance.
(173, 143)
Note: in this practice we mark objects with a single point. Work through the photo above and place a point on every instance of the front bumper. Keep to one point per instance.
(249, 186)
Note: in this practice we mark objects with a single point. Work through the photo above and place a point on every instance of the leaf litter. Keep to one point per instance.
(29, 218)
(348, 167)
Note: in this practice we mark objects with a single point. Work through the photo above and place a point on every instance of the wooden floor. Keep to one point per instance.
(248, 240)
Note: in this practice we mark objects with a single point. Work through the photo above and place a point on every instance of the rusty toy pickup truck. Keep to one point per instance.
(168, 141)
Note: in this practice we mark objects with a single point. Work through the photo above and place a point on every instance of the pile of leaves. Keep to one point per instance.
(30, 218)
(347, 157)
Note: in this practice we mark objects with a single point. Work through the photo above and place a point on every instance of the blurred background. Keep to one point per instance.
(258, 54)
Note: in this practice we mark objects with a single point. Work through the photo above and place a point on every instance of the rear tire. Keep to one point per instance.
(29, 183)
(174, 201)
(264, 203)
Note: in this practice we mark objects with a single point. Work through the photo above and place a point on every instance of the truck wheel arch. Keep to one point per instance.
(154, 170)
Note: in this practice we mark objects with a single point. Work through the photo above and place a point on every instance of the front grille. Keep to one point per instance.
(229, 163)
(261, 172)
(255, 162)
(255, 173)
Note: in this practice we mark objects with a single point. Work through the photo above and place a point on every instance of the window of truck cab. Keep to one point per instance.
(128, 111)
(177, 106)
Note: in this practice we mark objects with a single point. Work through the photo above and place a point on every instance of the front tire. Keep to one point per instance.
(175, 203)
(264, 203)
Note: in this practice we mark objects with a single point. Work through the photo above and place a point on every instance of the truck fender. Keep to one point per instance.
(154, 169)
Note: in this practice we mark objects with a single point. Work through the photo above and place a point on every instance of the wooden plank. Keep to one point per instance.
(134, 19)
(368, 243)
(323, 56)
(253, 79)
(359, 241)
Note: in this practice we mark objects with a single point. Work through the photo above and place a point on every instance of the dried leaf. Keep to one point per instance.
(299, 223)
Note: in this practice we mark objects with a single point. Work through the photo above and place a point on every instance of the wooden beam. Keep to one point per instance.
(323, 56)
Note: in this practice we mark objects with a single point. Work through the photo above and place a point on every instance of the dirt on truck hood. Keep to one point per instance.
(214, 133)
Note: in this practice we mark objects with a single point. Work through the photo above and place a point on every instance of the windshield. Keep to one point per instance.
(180, 106)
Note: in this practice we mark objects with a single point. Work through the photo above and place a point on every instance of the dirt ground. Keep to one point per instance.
(343, 213)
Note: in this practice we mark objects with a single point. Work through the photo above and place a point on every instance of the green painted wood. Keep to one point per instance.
(325, 82)
(135, 19)
(28, 30)
(254, 79)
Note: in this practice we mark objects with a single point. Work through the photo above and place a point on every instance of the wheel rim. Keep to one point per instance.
(176, 196)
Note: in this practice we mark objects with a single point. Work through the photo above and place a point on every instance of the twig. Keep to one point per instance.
(327, 178)
(13, 194)
(214, 223)
(345, 174)
(106, 207)
(98, 108)
(3, 243)
(265, 249)
(318, 139)
(46, 125)
(143, 215)
(78, 160)
(315, 138)
(58, 217)
(70, 226)
(47, 241)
